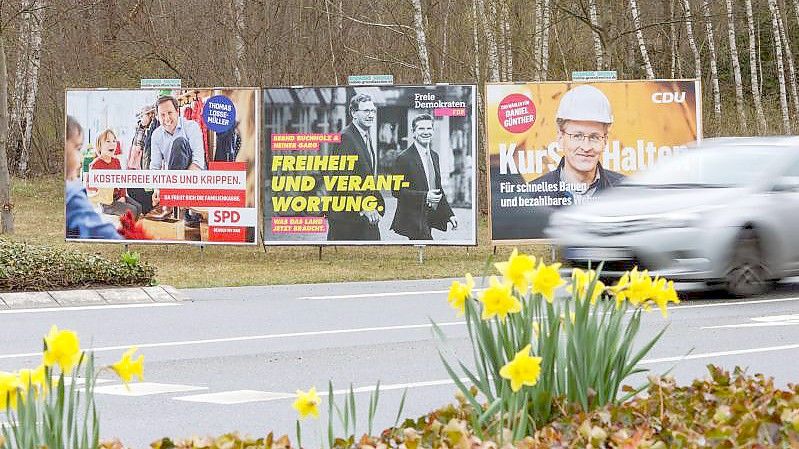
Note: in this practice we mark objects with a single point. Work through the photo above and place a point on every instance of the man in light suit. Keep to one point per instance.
(421, 205)
(356, 140)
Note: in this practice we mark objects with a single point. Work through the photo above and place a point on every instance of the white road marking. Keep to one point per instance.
(264, 396)
(719, 354)
(235, 397)
(144, 389)
(251, 338)
(102, 307)
(762, 321)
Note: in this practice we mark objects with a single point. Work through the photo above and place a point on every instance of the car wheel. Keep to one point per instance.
(747, 273)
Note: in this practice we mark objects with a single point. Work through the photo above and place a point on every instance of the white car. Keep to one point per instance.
(725, 212)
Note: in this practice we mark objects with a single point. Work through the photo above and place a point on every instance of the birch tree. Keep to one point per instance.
(507, 34)
(26, 85)
(238, 39)
(775, 18)
(491, 43)
(736, 66)
(689, 29)
(421, 42)
(676, 62)
(639, 34)
(754, 61)
(546, 15)
(714, 71)
(786, 41)
(6, 207)
(538, 33)
(594, 19)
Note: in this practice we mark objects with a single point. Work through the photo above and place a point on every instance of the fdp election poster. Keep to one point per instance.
(176, 166)
(370, 165)
(553, 145)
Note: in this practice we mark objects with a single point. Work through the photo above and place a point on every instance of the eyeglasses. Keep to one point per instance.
(368, 111)
(580, 137)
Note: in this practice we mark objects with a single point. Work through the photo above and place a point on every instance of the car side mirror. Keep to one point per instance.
(786, 184)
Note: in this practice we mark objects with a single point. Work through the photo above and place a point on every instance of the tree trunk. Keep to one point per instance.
(508, 41)
(786, 120)
(736, 66)
(754, 61)
(545, 19)
(539, 33)
(786, 41)
(714, 71)
(673, 44)
(639, 34)
(36, 16)
(593, 16)
(445, 43)
(421, 42)
(482, 194)
(6, 212)
(16, 128)
(491, 43)
(689, 29)
(238, 40)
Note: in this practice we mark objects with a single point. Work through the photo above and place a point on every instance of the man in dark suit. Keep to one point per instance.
(421, 205)
(356, 140)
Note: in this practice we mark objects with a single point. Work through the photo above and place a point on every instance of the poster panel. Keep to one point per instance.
(556, 144)
(374, 165)
(162, 166)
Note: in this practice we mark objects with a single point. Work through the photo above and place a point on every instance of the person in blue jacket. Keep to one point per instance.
(82, 221)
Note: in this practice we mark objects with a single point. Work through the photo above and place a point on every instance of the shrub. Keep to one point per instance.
(26, 267)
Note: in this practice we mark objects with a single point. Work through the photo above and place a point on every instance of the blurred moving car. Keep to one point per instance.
(725, 212)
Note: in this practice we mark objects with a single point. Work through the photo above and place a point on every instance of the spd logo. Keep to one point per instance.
(668, 97)
(231, 216)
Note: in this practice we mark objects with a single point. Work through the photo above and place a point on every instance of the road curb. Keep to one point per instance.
(91, 297)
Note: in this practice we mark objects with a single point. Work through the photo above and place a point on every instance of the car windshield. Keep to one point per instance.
(710, 167)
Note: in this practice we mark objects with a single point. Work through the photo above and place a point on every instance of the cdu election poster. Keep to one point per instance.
(553, 145)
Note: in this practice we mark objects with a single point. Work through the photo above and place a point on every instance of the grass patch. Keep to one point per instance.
(39, 219)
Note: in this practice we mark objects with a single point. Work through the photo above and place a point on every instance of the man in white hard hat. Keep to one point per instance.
(583, 119)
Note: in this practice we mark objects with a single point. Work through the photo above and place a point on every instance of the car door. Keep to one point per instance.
(785, 201)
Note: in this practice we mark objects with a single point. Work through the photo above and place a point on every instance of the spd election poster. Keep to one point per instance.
(168, 166)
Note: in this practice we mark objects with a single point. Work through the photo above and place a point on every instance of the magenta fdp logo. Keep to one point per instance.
(516, 113)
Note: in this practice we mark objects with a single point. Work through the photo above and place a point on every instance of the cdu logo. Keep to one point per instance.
(668, 97)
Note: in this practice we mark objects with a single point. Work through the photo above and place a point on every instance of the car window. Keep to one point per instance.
(712, 167)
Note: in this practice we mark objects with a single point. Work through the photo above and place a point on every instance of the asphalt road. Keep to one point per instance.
(233, 358)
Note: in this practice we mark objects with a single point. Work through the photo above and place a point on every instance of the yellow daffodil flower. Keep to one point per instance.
(522, 370)
(517, 270)
(546, 279)
(32, 378)
(62, 348)
(307, 403)
(581, 280)
(126, 367)
(9, 384)
(459, 293)
(664, 293)
(634, 286)
(498, 300)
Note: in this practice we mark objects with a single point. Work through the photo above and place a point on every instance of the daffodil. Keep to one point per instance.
(62, 347)
(9, 384)
(545, 279)
(581, 280)
(517, 270)
(522, 370)
(307, 403)
(498, 300)
(634, 286)
(664, 293)
(32, 378)
(459, 293)
(126, 367)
